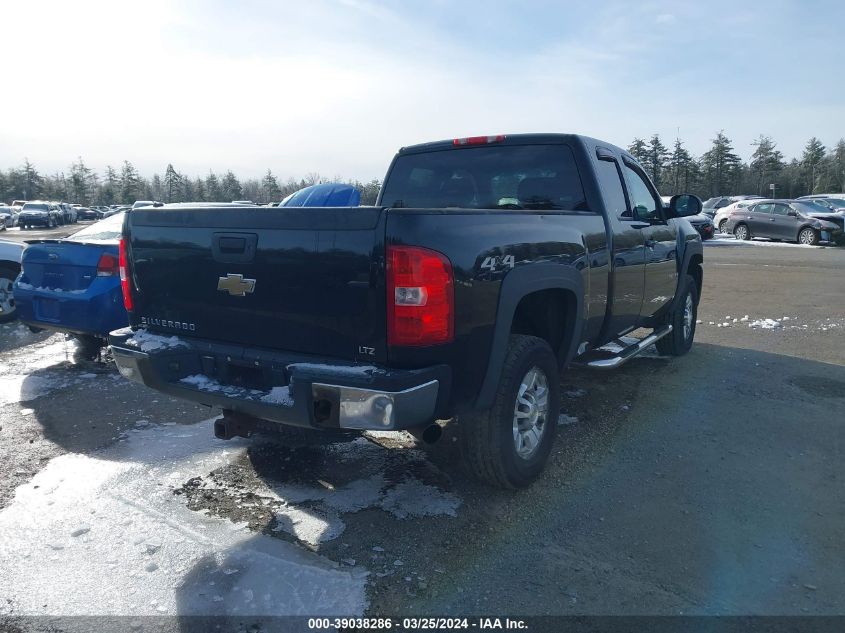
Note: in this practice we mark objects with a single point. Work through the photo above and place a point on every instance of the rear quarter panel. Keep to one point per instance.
(471, 239)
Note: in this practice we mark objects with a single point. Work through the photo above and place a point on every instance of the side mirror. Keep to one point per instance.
(685, 205)
(793, 213)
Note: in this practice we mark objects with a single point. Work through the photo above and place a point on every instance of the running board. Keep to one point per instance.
(607, 359)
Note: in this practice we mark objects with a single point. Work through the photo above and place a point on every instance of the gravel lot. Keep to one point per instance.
(710, 484)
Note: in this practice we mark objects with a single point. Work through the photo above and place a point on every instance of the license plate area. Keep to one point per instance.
(47, 309)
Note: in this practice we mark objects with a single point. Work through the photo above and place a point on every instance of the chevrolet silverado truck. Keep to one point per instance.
(486, 266)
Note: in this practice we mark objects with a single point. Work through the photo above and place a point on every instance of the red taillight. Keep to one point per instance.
(107, 266)
(420, 297)
(479, 140)
(125, 284)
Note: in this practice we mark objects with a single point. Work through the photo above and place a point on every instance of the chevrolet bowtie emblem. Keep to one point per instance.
(236, 285)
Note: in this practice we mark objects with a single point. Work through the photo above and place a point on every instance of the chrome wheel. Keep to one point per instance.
(688, 315)
(723, 226)
(741, 232)
(7, 301)
(807, 236)
(531, 412)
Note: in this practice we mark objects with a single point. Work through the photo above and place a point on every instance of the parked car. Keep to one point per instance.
(712, 205)
(69, 213)
(329, 194)
(38, 213)
(834, 202)
(89, 213)
(789, 220)
(721, 217)
(72, 285)
(701, 222)
(10, 266)
(484, 268)
(8, 218)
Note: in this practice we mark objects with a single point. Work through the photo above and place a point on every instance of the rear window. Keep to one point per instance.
(35, 206)
(488, 177)
(107, 230)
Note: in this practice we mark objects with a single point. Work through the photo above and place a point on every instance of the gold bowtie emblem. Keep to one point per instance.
(236, 285)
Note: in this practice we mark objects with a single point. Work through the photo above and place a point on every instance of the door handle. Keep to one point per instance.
(771, 219)
(650, 243)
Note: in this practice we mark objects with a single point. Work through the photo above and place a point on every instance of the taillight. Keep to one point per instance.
(125, 284)
(479, 140)
(420, 297)
(108, 266)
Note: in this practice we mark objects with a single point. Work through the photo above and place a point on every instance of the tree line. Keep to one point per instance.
(720, 171)
(123, 185)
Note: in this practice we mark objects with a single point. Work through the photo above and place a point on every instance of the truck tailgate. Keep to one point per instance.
(298, 279)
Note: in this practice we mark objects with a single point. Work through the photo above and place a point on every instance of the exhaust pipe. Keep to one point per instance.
(428, 434)
(233, 425)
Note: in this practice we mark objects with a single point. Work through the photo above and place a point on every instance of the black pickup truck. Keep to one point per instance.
(486, 266)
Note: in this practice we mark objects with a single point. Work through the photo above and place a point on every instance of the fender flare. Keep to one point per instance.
(691, 248)
(517, 284)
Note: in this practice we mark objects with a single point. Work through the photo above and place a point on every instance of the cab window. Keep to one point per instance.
(645, 205)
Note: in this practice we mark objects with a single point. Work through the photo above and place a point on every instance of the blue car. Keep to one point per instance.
(72, 285)
(329, 194)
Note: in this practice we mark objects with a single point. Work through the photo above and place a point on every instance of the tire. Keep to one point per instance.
(808, 236)
(8, 309)
(723, 226)
(741, 232)
(682, 319)
(88, 347)
(495, 451)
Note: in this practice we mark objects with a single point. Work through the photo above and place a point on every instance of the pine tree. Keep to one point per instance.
(655, 160)
(172, 184)
(681, 169)
(31, 181)
(639, 150)
(80, 183)
(130, 183)
(212, 186)
(721, 167)
(231, 187)
(811, 160)
(766, 165)
(199, 190)
(111, 186)
(270, 190)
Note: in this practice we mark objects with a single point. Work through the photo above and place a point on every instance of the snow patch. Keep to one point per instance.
(147, 342)
(278, 395)
(412, 498)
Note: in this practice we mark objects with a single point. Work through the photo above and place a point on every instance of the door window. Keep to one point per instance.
(762, 208)
(780, 209)
(610, 181)
(646, 207)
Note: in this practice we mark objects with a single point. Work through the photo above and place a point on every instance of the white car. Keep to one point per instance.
(722, 214)
(10, 266)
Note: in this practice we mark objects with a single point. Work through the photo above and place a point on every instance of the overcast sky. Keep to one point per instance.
(336, 86)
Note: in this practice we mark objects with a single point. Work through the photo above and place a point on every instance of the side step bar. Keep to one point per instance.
(606, 359)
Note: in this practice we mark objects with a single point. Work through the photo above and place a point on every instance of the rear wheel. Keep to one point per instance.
(682, 319)
(741, 232)
(723, 226)
(8, 309)
(808, 236)
(508, 445)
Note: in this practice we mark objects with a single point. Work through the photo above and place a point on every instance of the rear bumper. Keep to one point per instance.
(95, 311)
(285, 388)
